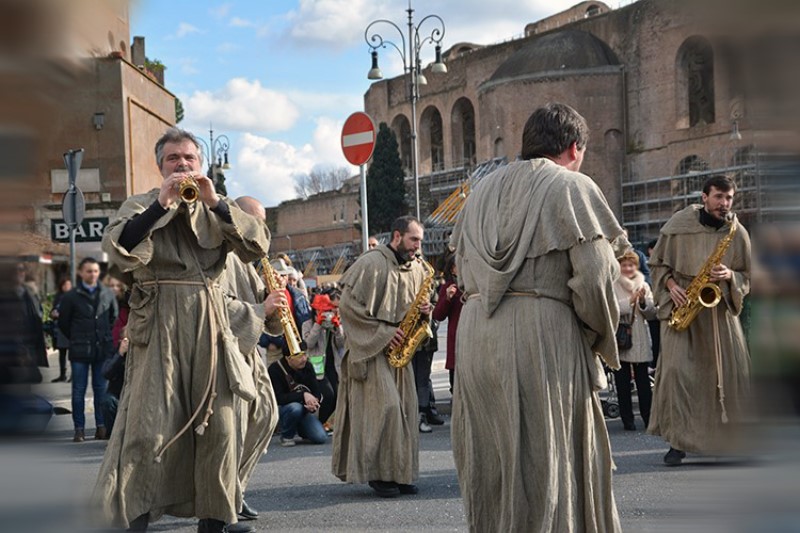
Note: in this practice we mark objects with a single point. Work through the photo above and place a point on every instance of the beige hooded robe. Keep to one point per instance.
(686, 408)
(245, 294)
(376, 435)
(168, 367)
(529, 436)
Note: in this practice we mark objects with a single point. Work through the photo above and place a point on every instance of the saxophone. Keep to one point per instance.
(701, 292)
(414, 326)
(290, 332)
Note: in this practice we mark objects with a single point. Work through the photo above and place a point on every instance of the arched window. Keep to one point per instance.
(692, 164)
(499, 147)
(592, 10)
(431, 142)
(695, 83)
(462, 122)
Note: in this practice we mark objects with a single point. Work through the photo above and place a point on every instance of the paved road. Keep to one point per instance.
(45, 483)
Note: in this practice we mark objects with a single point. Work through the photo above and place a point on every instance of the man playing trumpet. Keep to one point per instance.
(702, 378)
(174, 447)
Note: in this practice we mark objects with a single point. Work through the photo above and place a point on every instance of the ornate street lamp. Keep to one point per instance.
(411, 66)
(216, 150)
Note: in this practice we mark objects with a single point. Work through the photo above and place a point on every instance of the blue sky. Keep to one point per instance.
(279, 77)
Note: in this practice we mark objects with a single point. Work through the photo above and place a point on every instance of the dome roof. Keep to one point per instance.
(563, 50)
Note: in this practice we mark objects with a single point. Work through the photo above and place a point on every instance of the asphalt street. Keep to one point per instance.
(46, 482)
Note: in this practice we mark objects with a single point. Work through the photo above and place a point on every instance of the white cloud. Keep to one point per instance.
(341, 23)
(328, 143)
(242, 105)
(265, 169)
(184, 29)
(316, 103)
(237, 22)
(338, 23)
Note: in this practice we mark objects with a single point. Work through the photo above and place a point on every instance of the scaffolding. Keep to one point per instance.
(767, 190)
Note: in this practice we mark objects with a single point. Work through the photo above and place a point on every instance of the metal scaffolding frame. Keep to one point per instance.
(767, 190)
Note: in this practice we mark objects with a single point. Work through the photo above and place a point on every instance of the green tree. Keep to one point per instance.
(178, 110)
(216, 175)
(386, 190)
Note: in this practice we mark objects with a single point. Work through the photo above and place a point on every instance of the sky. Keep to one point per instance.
(279, 77)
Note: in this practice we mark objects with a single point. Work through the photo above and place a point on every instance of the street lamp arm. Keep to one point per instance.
(376, 40)
(206, 154)
(437, 34)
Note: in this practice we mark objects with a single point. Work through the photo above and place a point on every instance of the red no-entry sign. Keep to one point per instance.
(358, 138)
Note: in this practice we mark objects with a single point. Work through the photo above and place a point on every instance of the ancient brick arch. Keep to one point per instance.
(462, 124)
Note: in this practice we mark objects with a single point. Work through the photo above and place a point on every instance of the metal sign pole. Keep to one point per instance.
(74, 205)
(364, 212)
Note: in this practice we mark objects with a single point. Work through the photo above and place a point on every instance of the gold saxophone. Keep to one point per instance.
(701, 292)
(416, 328)
(290, 332)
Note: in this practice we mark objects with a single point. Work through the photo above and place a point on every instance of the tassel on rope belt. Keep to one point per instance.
(211, 386)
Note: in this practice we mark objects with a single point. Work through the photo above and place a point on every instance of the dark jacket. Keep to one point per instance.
(280, 383)
(85, 319)
(114, 372)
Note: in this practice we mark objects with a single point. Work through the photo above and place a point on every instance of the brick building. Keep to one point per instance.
(669, 94)
(75, 86)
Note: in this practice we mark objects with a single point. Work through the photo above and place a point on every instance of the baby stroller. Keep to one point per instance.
(608, 396)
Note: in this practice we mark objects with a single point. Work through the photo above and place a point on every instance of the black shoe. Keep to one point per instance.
(59, 379)
(239, 528)
(433, 417)
(385, 489)
(247, 512)
(629, 426)
(210, 525)
(407, 489)
(674, 457)
(139, 524)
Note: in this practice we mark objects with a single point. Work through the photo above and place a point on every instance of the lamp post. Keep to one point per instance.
(217, 152)
(411, 66)
(290, 242)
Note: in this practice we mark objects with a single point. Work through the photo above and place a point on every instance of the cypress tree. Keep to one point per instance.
(386, 191)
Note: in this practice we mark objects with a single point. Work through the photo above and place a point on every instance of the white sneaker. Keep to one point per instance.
(423, 424)
(287, 442)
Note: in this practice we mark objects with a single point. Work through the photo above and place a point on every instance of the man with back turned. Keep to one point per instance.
(537, 267)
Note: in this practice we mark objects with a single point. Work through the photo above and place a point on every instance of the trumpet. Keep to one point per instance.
(189, 191)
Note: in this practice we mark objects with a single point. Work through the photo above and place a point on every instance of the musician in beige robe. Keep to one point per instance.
(377, 438)
(174, 447)
(537, 267)
(687, 410)
(249, 306)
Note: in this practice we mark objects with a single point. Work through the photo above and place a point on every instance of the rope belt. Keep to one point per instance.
(509, 293)
(211, 386)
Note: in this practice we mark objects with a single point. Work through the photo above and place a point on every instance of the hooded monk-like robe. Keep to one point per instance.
(168, 367)
(257, 419)
(537, 267)
(686, 408)
(376, 437)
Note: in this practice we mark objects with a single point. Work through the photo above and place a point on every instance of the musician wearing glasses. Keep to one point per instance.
(376, 440)
(701, 275)
(174, 447)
